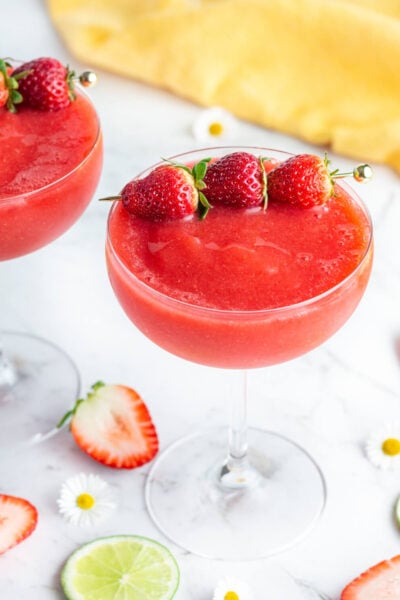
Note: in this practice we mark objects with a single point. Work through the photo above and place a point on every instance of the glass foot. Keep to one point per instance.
(38, 384)
(192, 508)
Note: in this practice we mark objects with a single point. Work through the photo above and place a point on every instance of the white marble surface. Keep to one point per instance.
(327, 401)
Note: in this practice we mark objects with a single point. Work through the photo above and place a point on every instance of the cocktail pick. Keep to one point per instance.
(361, 173)
(87, 78)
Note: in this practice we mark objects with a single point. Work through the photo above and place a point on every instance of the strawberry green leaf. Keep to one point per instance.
(16, 97)
(204, 205)
(70, 76)
(199, 169)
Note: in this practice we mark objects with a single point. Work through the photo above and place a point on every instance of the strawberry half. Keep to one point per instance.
(379, 582)
(113, 426)
(303, 180)
(168, 192)
(46, 85)
(18, 519)
(236, 180)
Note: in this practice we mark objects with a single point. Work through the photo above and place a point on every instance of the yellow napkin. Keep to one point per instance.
(327, 71)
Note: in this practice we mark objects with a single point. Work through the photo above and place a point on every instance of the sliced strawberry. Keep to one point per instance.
(236, 180)
(380, 582)
(113, 426)
(18, 519)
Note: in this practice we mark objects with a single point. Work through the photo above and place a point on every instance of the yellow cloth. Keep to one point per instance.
(327, 71)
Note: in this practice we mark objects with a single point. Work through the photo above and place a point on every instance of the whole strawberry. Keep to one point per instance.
(47, 84)
(237, 180)
(9, 95)
(303, 180)
(170, 191)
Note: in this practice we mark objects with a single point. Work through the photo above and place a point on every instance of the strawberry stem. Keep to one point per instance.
(70, 413)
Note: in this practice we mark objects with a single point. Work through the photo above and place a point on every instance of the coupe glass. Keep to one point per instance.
(38, 381)
(236, 493)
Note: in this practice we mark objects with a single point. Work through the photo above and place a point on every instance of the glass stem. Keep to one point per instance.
(237, 473)
(237, 436)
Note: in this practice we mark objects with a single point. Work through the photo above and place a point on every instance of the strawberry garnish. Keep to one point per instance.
(113, 426)
(47, 84)
(302, 180)
(170, 191)
(236, 180)
(379, 582)
(9, 83)
(305, 181)
(18, 519)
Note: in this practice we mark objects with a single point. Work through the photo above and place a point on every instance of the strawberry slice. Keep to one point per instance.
(113, 426)
(381, 581)
(18, 519)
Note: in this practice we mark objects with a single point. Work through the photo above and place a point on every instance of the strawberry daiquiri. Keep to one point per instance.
(50, 163)
(266, 258)
(242, 287)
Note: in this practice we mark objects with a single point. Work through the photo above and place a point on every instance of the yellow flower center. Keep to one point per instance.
(391, 447)
(85, 501)
(217, 129)
(231, 596)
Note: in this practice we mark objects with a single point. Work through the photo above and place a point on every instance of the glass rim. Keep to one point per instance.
(166, 299)
(64, 177)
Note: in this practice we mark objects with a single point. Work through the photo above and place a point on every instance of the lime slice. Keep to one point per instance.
(121, 567)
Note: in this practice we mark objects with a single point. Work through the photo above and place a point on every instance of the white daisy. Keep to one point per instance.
(214, 124)
(383, 447)
(232, 589)
(86, 499)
